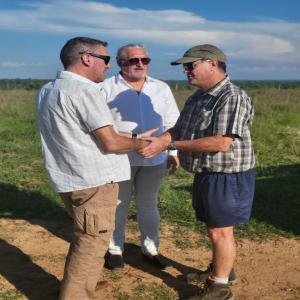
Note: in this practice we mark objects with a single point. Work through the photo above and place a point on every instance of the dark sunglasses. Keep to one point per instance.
(103, 57)
(137, 60)
(189, 67)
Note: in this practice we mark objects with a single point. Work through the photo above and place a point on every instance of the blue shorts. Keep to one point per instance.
(222, 199)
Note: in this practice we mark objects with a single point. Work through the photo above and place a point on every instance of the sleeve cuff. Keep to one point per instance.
(172, 152)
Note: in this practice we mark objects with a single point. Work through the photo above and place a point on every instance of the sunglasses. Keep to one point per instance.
(189, 67)
(137, 60)
(106, 58)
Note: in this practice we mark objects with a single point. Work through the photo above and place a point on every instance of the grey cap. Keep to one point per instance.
(201, 52)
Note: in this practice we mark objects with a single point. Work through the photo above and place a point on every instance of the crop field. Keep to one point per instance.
(34, 228)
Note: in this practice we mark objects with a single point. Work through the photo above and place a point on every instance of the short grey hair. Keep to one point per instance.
(121, 51)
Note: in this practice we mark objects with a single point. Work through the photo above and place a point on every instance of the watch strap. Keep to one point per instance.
(171, 146)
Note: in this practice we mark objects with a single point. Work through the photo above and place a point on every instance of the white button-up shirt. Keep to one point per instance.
(68, 110)
(153, 107)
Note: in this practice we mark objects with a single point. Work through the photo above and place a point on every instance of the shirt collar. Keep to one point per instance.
(74, 76)
(120, 78)
(214, 91)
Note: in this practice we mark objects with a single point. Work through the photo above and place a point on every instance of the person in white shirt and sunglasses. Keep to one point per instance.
(138, 104)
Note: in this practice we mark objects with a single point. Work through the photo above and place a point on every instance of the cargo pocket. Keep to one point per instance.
(98, 222)
(78, 216)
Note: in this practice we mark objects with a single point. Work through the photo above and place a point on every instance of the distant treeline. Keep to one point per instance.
(34, 84)
(27, 84)
(280, 84)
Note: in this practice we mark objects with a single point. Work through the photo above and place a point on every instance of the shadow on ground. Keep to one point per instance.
(31, 279)
(276, 203)
(17, 267)
(133, 257)
(28, 278)
(36, 209)
(277, 197)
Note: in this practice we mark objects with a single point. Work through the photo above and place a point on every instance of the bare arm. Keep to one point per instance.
(113, 142)
(216, 143)
(140, 135)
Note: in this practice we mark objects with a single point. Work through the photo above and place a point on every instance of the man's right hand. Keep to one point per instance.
(143, 145)
(157, 146)
(113, 142)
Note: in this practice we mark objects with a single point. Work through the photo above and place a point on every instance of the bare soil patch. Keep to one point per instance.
(32, 255)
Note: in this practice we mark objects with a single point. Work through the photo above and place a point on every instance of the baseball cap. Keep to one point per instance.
(205, 51)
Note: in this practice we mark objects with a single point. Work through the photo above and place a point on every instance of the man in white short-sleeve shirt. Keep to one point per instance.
(79, 142)
(138, 103)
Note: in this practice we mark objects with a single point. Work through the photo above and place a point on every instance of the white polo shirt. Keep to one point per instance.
(153, 107)
(68, 110)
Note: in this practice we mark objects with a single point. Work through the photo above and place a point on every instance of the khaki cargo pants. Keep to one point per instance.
(93, 211)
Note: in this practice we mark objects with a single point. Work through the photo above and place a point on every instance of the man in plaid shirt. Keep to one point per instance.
(212, 136)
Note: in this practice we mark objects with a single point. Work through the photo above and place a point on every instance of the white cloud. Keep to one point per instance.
(268, 40)
(84, 16)
(10, 64)
(15, 65)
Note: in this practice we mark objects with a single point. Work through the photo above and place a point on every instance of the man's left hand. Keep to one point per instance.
(147, 133)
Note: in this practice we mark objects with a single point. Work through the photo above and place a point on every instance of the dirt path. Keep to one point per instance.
(32, 259)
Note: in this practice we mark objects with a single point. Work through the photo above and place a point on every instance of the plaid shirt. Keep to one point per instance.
(223, 110)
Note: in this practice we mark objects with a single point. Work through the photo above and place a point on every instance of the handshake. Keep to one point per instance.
(155, 145)
(152, 146)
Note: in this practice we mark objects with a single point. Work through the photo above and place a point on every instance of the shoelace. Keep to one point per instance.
(205, 287)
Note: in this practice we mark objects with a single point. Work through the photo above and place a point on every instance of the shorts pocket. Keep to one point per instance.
(234, 187)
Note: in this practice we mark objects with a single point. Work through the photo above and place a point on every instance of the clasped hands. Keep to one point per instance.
(155, 146)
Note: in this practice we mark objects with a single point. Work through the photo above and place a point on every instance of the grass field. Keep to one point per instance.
(25, 194)
(25, 191)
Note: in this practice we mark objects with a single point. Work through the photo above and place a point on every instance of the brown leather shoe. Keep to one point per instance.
(214, 291)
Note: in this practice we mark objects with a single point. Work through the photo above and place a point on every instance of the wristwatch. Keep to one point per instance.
(171, 146)
(134, 135)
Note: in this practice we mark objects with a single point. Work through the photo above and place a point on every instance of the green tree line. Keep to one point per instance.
(34, 84)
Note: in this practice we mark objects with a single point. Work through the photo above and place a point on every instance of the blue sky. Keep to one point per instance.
(260, 38)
